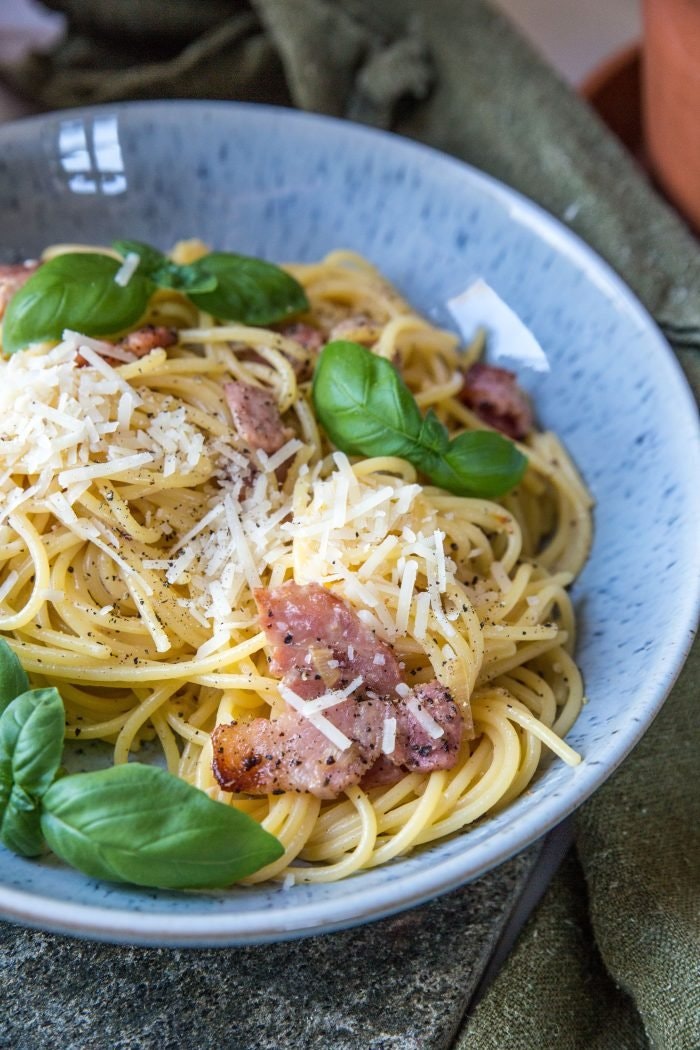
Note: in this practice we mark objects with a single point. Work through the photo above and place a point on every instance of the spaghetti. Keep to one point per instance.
(135, 525)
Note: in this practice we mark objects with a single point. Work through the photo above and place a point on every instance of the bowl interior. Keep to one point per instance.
(289, 186)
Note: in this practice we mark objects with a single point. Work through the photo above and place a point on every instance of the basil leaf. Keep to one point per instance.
(31, 739)
(433, 434)
(365, 407)
(20, 824)
(136, 823)
(31, 743)
(76, 290)
(248, 290)
(13, 678)
(478, 463)
(187, 279)
(150, 259)
(163, 272)
(364, 404)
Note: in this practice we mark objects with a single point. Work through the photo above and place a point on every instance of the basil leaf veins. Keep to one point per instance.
(75, 290)
(166, 274)
(13, 677)
(365, 407)
(248, 290)
(31, 744)
(136, 823)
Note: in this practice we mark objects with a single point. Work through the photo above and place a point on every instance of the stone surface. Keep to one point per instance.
(400, 984)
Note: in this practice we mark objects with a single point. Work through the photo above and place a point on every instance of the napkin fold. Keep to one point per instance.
(610, 960)
(448, 73)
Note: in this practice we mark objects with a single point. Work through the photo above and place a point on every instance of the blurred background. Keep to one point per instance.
(574, 36)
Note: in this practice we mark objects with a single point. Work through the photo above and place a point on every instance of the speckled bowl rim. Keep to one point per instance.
(399, 892)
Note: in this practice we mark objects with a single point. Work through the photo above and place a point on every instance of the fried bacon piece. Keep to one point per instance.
(306, 335)
(139, 343)
(310, 339)
(494, 395)
(415, 747)
(256, 416)
(148, 338)
(290, 754)
(12, 277)
(303, 621)
(312, 632)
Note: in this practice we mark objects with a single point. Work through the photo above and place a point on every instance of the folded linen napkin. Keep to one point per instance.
(610, 959)
(449, 73)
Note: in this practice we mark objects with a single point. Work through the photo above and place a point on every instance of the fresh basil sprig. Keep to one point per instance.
(31, 744)
(166, 274)
(78, 290)
(131, 823)
(137, 823)
(365, 407)
(13, 677)
(248, 290)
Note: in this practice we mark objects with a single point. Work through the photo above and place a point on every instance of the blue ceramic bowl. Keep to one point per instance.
(285, 185)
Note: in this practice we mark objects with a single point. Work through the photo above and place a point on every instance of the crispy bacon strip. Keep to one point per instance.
(299, 620)
(308, 628)
(256, 416)
(141, 342)
(415, 748)
(494, 395)
(289, 754)
(310, 339)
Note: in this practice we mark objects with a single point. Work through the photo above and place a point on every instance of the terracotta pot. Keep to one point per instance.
(671, 99)
(614, 91)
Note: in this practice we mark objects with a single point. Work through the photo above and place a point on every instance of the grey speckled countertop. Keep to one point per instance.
(400, 984)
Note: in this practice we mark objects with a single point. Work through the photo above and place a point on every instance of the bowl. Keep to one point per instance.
(286, 185)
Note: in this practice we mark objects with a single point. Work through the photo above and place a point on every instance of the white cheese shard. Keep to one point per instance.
(331, 732)
(127, 269)
(389, 736)
(105, 470)
(408, 581)
(511, 344)
(80, 342)
(426, 721)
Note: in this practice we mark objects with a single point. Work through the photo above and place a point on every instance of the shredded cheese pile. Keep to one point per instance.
(57, 418)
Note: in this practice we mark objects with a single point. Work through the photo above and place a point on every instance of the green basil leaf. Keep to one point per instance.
(365, 407)
(31, 744)
(136, 823)
(163, 272)
(248, 290)
(31, 739)
(20, 824)
(187, 279)
(150, 259)
(363, 403)
(13, 678)
(479, 463)
(433, 434)
(76, 290)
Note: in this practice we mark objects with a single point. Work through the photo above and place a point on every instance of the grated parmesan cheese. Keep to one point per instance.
(331, 732)
(389, 736)
(426, 721)
(127, 269)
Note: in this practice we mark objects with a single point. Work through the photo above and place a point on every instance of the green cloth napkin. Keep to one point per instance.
(611, 958)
